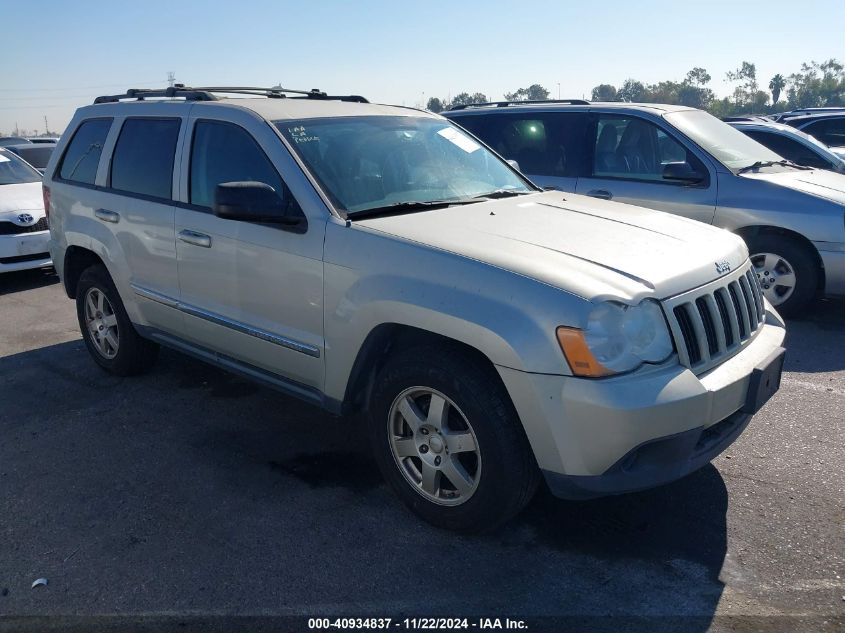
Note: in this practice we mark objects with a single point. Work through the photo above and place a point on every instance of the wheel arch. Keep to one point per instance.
(77, 259)
(750, 232)
(377, 348)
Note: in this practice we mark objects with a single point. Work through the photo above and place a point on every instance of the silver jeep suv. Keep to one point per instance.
(377, 258)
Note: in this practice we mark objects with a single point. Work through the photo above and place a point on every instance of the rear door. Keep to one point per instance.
(550, 147)
(628, 154)
(136, 204)
(251, 292)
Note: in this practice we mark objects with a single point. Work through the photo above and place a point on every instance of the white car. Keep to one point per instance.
(24, 236)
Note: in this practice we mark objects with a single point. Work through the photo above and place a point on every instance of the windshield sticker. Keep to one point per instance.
(464, 142)
(300, 135)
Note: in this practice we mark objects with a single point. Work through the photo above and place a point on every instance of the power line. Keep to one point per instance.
(120, 85)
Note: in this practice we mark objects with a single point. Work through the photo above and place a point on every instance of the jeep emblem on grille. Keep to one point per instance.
(723, 266)
(25, 218)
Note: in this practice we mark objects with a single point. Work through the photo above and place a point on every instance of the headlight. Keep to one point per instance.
(618, 338)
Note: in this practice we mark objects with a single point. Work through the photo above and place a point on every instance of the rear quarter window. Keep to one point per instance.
(82, 157)
(143, 157)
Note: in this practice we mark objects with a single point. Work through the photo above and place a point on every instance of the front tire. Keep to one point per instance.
(448, 441)
(787, 270)
(108, 333)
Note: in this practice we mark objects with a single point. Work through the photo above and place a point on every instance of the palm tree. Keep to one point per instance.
(776, 85)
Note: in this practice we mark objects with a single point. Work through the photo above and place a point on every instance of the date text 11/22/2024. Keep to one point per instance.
(413, 624)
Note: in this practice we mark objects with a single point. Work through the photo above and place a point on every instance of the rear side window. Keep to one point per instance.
(544, 144)
(223, 152)
(789, 149)
(830, 132)
(83, 154)
(143, 157)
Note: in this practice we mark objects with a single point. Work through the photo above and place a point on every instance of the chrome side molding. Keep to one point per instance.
(238, 326)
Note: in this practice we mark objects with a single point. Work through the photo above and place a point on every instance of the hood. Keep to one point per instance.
(593, 248)
(821, 183)
(20, 198)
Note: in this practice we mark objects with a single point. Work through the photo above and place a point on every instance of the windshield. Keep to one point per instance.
(729, 146)
(14, 171)
(371, 162)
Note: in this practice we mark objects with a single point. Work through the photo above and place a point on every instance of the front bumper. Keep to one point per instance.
(833, 258)
(598, 437)
(24, 251)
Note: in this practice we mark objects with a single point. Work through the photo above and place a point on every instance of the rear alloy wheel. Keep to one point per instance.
(101, 322)
(787, 271)
(108, 333)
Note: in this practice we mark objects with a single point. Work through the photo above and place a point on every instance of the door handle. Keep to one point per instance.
(107, 216)
(604, 194)
(197, 239)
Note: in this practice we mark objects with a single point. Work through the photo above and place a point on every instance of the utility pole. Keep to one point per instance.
(171, 78)
(46, 127)
(558, 91)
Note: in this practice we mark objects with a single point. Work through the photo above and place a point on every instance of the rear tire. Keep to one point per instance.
(463, 463)
(788, 272)
(108, 333)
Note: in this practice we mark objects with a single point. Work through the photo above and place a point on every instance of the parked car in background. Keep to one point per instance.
(827, 127)
(377, 258)
(36, 154)
(12, 140)
(792, 144)
(24, 235)
(806, 111)
(43, 139)
(683, 161)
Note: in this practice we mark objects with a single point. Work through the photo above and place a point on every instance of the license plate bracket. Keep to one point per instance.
(765, 381)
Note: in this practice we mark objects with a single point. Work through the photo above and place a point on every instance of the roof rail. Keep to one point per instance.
(206, 93)
(504, 104)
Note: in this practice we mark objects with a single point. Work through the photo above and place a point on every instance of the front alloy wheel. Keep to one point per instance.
(434, 446)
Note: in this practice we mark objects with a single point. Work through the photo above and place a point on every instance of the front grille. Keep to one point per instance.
(10, 228)
(713, 322)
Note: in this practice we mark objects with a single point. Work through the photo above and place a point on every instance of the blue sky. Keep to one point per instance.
(392, 52)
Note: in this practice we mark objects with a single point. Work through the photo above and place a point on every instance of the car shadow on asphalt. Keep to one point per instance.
(815, 340)
(289, 474)
(20, 281)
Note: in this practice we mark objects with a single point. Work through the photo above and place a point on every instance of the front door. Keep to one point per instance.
(629, 155)
(251, 292)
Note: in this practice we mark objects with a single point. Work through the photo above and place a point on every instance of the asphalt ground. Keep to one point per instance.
(191, 498)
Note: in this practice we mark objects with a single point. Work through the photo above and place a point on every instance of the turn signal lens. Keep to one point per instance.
(578, 354)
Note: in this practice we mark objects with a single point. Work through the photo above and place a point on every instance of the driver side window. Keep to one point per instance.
(224, 152)
(634, 149)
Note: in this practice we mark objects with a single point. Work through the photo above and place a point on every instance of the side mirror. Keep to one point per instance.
(682, 172)
(514, 164)
(253, 202)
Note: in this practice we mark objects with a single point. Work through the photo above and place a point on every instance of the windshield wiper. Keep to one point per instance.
(501, 193)
(408, 207)
(768, 163)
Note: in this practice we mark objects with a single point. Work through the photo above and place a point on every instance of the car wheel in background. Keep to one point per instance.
(106, 329)
(787, 270)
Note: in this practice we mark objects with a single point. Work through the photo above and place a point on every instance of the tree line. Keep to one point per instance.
(815, 85)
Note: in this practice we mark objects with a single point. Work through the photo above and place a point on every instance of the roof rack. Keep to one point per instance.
(504, 104)
(206, 93)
